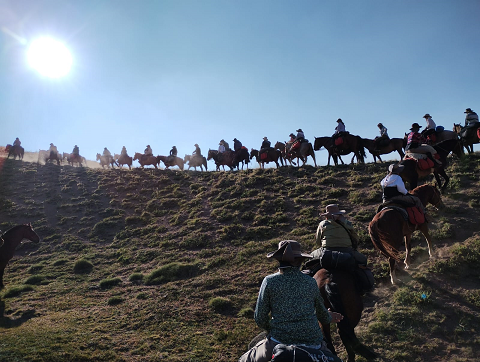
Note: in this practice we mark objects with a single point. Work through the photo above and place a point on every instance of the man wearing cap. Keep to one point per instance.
(394, 188)
(383, 136)
(289, 306)
(416, 143)
(197, 152)
(430, 125)
(471, 118)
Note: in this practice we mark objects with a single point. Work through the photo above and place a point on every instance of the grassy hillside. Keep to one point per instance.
(155, 265)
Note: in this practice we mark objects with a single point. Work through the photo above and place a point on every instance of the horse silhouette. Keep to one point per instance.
(283, 148)
(389, 229)
(16, 151)
(11, 239)
(106, 160)
(394, 144)
(47, 155)
(145, 160)
(242, 156)
(470, 139)
(123, 160)
(170, 161)
(273, 155)
(71, 158)
(333, 153)
(353, 144)
(411, 173)
(195, 161)
(226, 158)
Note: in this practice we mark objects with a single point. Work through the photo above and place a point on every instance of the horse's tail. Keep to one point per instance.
(378, 236)
(362, 147)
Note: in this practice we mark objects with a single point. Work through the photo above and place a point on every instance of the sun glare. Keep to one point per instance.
(49, 57)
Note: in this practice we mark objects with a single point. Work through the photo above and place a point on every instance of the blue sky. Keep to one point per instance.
(182, 72)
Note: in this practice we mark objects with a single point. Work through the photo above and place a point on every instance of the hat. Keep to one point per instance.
(468, 110)
(288, 251)
(299, 130)
(427, 116)
(378, 125)
(333, 209)
(235, 139)
(51, 144)
(291, 135)
(196, 144)
(339, 120)
(395, 168)
(415, 125)
(265, 138)
(148, 145)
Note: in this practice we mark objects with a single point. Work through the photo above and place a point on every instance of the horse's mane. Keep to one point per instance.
(13, 229)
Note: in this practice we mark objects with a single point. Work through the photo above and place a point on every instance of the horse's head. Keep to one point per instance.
(186, 158)
(137, 156)
(436, 199)
(318, 143)
(211, 154)
(457, 128)
(98, 156)
(253, 153)
(279, 145)
(30, 234)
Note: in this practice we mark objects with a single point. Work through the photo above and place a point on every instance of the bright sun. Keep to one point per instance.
(49, 57)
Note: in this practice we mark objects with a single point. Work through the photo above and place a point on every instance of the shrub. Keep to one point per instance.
(109, 283)
(82, 266)
(115, 300)
(34, 280)
(15, 291)
(220, 304)
(171, 272)
(136, 277)
(246, 313)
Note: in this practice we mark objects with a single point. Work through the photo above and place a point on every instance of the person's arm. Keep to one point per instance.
(321, 312)
(262, 310)
(400, 185)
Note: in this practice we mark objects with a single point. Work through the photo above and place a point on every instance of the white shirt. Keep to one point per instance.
(392, 180)
(340, 128)
(221, 149)
(430, 123)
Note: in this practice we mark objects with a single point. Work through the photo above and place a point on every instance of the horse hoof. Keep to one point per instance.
(363, 351)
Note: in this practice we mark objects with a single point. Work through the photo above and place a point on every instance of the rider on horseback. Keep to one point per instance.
(266, 144)
(53, 151)
(17, 142)
(123, 152)
(416, 143)
(76, 151)
(339, 132)
(471, 123)
(173, 153)
(148, 151)
(430, 129)
(197, 152)
(289, 293)
(383, 136)
(107, 154)
(394, 189)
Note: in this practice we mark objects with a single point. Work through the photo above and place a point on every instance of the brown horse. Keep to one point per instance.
(389, 229)
(352, 304)
(442, 136)
(71, 158)
(170, 161)
(49, 156)
(468, 138)
(411, 173)
(144, 160)
(226, 158)
(283, 147)
(16, 151)
(394, 144)
(302, 153)
(195, 161)
(327, 142)
(273, 155)
(353, 144)
(242, 156)
(123, 160)
(11, 239)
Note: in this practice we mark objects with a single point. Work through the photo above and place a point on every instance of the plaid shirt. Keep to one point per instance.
(296, 306)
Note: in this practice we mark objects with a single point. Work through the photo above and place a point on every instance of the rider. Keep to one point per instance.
(197, 151)
(17, 142)
(266, 144)
(289, 306)
(173, 151)
(383, 136)
(123, 152)
(340, 127)
(416, 143)
(430, 126)
(394, 188)
(225, 144)
(471, 123)
(300, 135)
(107, 154)
(76, 151)
(237, 145)
(148, 151)
(53, 150)
(221, 149)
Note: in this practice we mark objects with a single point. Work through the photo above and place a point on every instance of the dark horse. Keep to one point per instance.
(16, 151)
(394, 144)
(352, 304)
(11, 239)
(327, 142)
(226, 158)
(243, 157)
(273, 155)
(353, 144)
(468, 138)
(412, 173)
(389, 229)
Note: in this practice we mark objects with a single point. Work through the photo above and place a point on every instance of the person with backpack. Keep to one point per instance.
(289, 306)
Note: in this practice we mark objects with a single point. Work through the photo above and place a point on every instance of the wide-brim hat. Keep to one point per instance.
(427, 116)
(333, 209)
(234, 139)
(299, 130)
(395, 168)
(265, 138)
(468, 110)
(288, 251)
(339, 120)
(378, 125)
(196, 144)
(291, 135)
(148, 145)
(415, 125)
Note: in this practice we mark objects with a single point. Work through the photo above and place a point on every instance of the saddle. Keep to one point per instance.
(410, 213)
(289, 353)
(422, 160)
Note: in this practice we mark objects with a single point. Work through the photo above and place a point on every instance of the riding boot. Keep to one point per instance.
(435, 161)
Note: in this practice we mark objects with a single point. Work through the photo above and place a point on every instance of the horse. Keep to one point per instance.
(301, 153)
(411, 173)
(195, 161)
(11, 239)
(282, 147)
(353, 144)
(333, 153)
(123, 160)
(145, 160)
(352, 304)
(273, 155)
(71, 158)
(16, 151)
(242, 156)
(394, 144)
(389, 230)
(471, 139)
(442, 136)
(226, 158)
(169, 161)
(106, 160)
(49, 156)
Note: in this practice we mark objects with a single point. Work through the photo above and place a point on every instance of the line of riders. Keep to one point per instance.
(416, 142)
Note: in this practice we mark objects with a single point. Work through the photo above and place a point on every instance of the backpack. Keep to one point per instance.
(415, 216)
(284, 353)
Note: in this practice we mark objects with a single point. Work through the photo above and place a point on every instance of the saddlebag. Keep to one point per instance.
(263, 156)
(338, 141)
(415, 216)
(365, 279)
(331, 259)
(284, 353)
(425, 164)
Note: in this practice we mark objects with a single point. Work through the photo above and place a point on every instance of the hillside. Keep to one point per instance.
(155, 265)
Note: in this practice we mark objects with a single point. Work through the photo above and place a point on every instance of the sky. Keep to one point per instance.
(180, 72)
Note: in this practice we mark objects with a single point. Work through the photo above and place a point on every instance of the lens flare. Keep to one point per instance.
(49, 57)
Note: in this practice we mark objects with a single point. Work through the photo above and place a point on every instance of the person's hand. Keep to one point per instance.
(336, 317)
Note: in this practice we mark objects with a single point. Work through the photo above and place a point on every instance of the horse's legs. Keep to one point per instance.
(393, 277)
(424, 229)
(408, 250)
(2, 270)
(444, 175)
